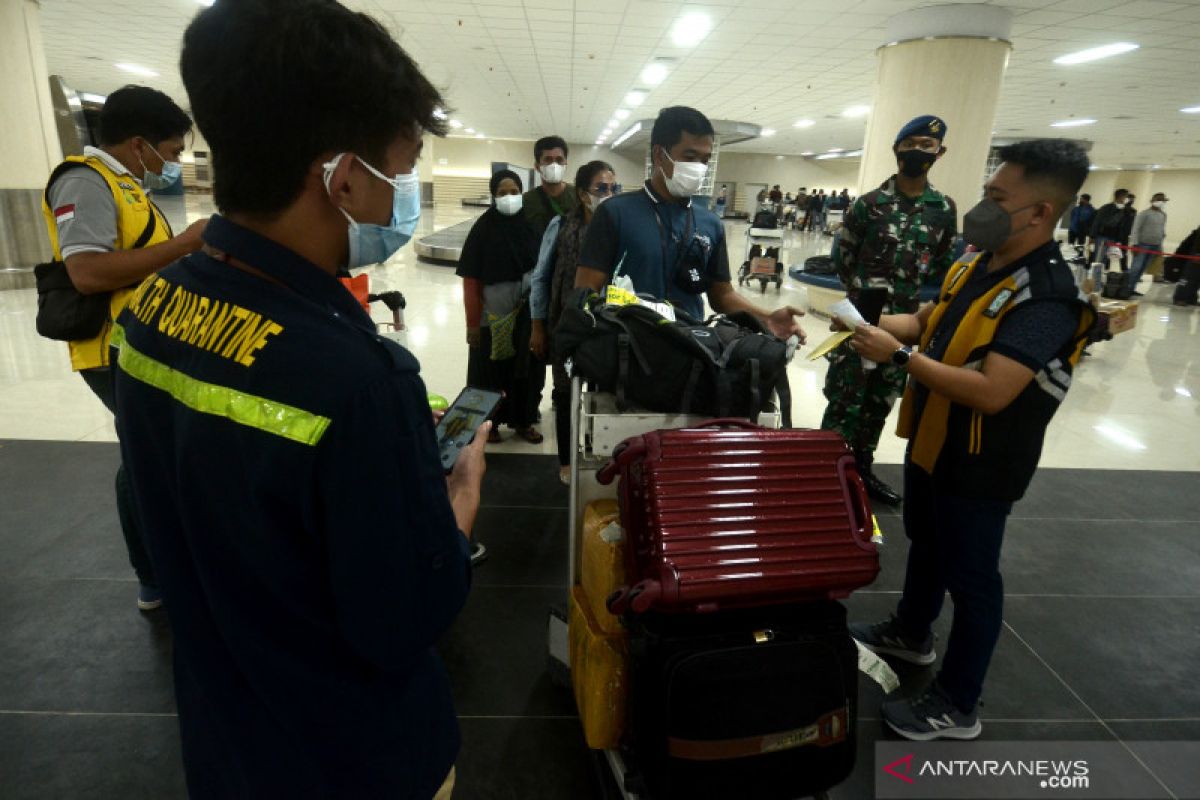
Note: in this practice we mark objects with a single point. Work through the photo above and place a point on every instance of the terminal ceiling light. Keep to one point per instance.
(480, 136)
(439, 114)
(612, 123)
(635, 99)
(835, 150)
(856, 111)
(767, 132)
(633, 129)
(654, 74)
(1191, 110)
(455, 124)
(137, 69)
(621, 113)
(691, 29)
(1072, 123)
(807, 153)
(1096, 53)
(803, 123)
(470, 130)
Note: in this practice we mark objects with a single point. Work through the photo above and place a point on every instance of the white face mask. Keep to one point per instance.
(1159, 203)
(553, 173)
(687, 178)
(509, 204)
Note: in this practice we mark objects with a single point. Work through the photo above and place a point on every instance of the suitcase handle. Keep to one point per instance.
(730, 422)
(856, 502)
(623, 455)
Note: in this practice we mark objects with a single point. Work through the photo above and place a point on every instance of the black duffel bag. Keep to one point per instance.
(726, 367)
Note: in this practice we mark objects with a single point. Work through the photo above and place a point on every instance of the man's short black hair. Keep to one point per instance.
(1120, 193)
(673, 121)
(1087, 197)
(549, 143)
(1058, 164)
(275, 84)
(141, 111)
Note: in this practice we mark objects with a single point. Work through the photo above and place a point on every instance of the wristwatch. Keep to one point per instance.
(901, 356)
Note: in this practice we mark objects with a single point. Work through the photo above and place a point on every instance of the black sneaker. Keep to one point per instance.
(878, 490)
(930, 716)
(479, 554)
(888, 638)
(1136, 294)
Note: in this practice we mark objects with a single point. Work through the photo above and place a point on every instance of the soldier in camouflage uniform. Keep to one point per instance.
(897, 237)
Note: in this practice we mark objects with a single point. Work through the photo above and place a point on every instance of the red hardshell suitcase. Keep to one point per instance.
(729, 514)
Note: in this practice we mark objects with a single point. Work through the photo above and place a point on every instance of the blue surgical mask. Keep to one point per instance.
(374, 244)
(157, 181)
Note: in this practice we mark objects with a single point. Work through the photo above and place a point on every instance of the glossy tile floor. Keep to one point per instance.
(1102, 565)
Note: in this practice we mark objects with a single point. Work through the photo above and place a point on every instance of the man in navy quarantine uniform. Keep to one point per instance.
(309, 548)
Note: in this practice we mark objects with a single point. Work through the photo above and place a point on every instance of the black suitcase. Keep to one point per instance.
(1115, 286)
(757, 704)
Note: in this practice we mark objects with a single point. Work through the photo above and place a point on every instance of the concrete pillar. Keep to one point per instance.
(946, 60)
(29, 147)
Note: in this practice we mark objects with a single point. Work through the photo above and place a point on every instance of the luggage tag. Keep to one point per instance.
(617, 296)
(876, 532)
(876, 669)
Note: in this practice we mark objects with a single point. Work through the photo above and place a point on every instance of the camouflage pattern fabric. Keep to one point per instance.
(889, 240)
(860, 400)
(900, 243)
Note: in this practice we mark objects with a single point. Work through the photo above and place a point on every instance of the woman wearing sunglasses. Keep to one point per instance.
(553, 282)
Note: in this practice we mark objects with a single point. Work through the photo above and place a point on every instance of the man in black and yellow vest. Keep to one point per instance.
(997, 350)
(111, 237)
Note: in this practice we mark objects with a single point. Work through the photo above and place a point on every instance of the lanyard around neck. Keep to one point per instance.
(665, 236)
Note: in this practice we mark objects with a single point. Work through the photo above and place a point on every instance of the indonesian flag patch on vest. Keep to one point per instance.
(64, 214)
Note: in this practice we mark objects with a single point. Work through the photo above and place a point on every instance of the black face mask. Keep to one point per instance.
(915, 163)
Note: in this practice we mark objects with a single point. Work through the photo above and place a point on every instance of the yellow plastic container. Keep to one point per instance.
(599, 674)
(603, 560)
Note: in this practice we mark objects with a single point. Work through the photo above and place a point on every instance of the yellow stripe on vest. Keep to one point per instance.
(250, 410)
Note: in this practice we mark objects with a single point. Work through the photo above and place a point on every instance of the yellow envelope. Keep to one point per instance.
(833, 341)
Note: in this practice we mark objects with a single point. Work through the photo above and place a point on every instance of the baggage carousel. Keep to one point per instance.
(445, 245)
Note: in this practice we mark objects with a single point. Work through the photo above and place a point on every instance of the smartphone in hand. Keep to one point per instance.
(457, 427)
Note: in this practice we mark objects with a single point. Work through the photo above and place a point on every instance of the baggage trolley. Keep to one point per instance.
(597, 427)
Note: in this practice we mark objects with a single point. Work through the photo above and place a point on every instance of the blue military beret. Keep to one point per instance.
(927, 125)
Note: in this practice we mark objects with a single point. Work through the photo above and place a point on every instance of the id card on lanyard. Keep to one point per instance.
(666, 235)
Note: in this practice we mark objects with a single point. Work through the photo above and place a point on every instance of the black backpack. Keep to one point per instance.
(726, 367)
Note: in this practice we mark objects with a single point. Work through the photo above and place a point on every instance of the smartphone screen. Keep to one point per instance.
(457, 427)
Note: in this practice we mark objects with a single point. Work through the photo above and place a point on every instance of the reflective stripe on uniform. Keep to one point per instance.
(250, 410)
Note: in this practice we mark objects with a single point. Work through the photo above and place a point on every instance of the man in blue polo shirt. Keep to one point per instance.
(309, 548)
(668, 246)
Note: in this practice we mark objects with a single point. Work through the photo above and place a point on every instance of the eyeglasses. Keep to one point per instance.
(606, 189)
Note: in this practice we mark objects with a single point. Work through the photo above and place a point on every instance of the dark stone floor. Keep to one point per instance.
(1101, 639)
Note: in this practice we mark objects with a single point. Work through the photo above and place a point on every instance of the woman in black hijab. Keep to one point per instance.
(497, 270)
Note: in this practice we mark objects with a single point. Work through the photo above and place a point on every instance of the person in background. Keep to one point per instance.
(496, 266)
(997, 351)
(722, 201)
(895, 237)
(310, 548)
(1081, 220)
(1148, 232)
(1188, 268)
(1128, 215)
(111, 237)
(816, 204)
(1106, 226)
(555, 196)
(670, 248)
(776, 198)
(553, 280)
(802, 208)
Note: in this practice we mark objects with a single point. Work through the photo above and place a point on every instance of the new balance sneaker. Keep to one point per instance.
(888, 638)
(930, 716)
(149, 598)
(479, 554)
